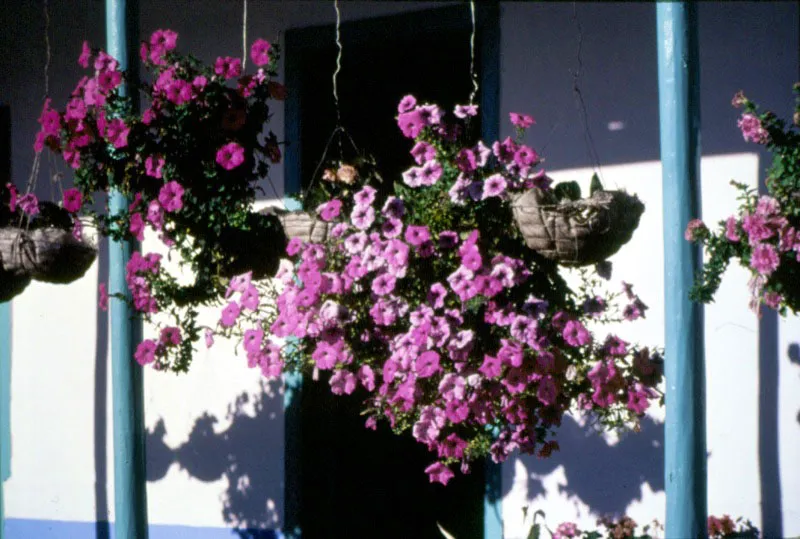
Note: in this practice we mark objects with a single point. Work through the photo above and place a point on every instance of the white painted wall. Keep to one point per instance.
(750, 46)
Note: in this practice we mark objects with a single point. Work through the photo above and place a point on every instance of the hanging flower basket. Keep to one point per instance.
(579, 232)
(305, 226)
(51, 255)
(429, 306)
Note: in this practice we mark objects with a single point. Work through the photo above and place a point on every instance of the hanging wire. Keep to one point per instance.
(472, 74)
(576, 75)
(338, 63)
(244, 35)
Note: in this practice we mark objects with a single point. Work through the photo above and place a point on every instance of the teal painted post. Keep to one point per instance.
(130, 497)
(5, 401)
(679, 109)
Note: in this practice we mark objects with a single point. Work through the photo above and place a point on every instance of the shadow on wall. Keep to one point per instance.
(605, 477)
(243, 454)
(794, 357)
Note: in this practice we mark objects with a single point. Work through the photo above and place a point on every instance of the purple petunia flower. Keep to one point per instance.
(494, 186)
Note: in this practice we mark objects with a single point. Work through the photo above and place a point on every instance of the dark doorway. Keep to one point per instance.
(357, 483)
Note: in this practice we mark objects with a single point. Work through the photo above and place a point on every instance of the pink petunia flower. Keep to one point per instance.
(464, 111)
(439, 473)
(523, 121)
(342, 382)
(229, 314)
(102, 297)
(72, 200)
(406, 104)
(29, 204)
(228, 67)
(86, 55)
(230, 156)
(259, 52)
(116, 133)
(417, 235)
(330, 210)
(427, 364)
(170, 336)
(171, 196)
(136, 226)
(145, 352)
(764, 258)
(575, 334)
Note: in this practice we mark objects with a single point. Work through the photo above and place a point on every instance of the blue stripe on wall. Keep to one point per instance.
(18, 528)
(5, 390)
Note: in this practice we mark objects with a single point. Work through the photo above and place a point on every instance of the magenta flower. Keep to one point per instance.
(494, 186)
(439, 473)
(427, 364)
(406, 104)
(342, 382)
(448, 239)
(695, 230)
(547, 392)
(136, 226)
(423, 152)
(250, 298)
(413, 177)
(252, 340)
(293, 246)
(102, 295)
(155, 214)
(417, 235)
(117, 133)
(752, 130)
(411, 123)
(430, 173)
(259, 52)
(72, 200)
(392, 228)
(325, 356)
(153, 165)
(86, 55)
(526, 156)
(171, 196)
(209, 338)
(575, 334)
(170, 336)
(383, 284)
(330, 210)
(463, 111)
(764, 258)
(163, 40)
(362, 217)
(228, 67)
(230, 156)
(145, 352)
(229, 314)
(365, 197)
(730, 229)
(29, 204)
(523, 121)
(466, 160)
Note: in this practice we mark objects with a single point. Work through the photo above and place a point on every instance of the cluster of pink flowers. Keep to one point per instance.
(437, 329)
(766, 234)
(144, 157)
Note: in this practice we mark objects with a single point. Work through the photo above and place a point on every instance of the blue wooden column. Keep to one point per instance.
(679, 109)
(130, 499)
(5, 401)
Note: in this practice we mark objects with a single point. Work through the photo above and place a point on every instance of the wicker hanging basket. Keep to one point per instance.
(307, 227)
(51, 255)
(580, 232)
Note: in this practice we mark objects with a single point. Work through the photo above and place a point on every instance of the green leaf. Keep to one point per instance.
(567, 190)
(536, 529)
(596, 185)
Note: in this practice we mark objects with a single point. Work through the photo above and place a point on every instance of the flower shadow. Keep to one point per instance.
(244, 454)
(607, 478)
